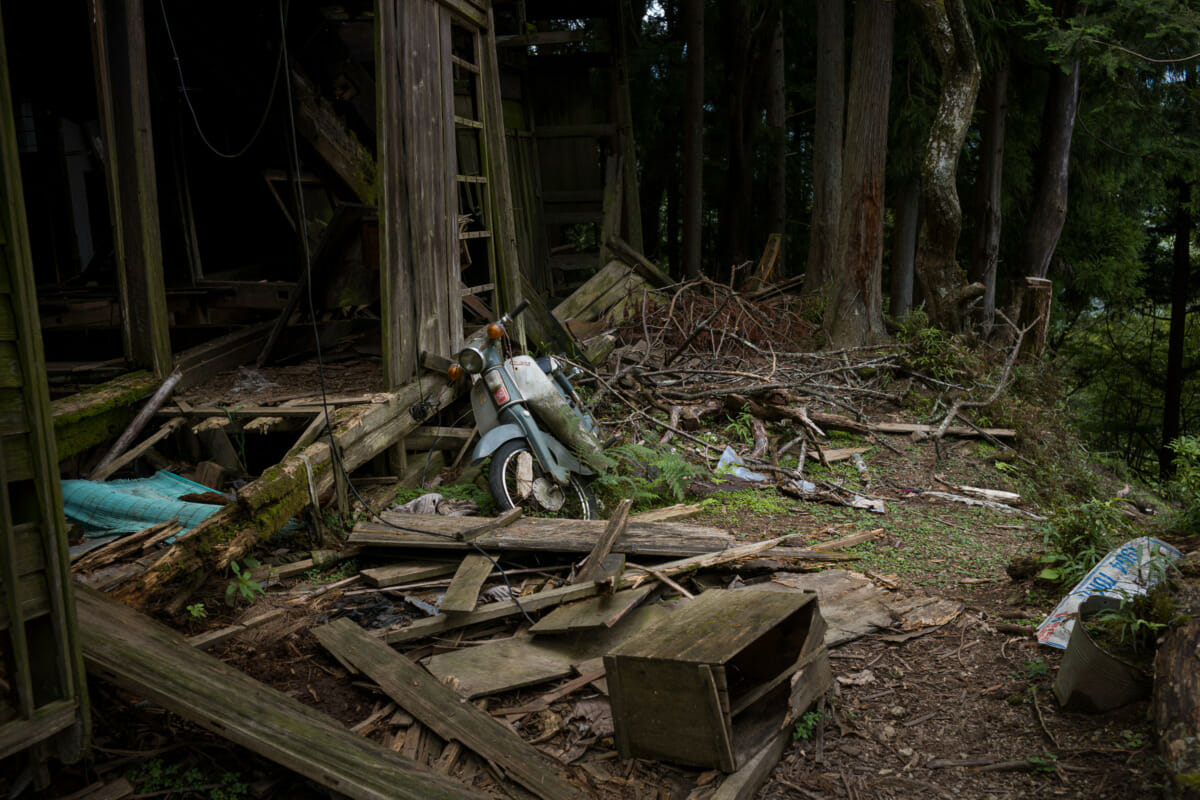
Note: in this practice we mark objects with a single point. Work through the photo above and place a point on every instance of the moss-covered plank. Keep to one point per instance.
(155, 662)
(100, 413)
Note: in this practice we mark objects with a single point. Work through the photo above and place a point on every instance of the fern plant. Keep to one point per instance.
(645, 474)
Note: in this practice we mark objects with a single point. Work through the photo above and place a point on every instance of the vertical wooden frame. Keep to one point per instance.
(123, 98)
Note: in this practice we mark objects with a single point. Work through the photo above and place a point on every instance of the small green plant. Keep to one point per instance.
(1136, 623)
(806, 726)
(343, 571)
(157, 777)
(1079, 536)
(1036, 667)
(242, 586)
(1131, 740)
(932, 351)
(1047, 763)
(197, 611)
(645, 474)
(741, 427)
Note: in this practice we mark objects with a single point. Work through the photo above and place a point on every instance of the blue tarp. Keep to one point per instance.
(127, 506)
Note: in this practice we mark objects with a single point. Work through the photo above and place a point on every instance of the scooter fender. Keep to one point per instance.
(563, 459)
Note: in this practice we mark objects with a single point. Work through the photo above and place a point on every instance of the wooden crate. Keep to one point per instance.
(714, 682)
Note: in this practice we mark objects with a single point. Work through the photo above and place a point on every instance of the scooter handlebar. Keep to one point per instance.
(521, 306)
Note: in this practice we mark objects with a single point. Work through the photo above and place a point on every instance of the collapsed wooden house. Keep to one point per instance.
(193, 187)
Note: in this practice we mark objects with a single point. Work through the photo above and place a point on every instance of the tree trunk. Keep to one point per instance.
(1176, 708)
(1049, 210)
(693, 138)
(854, 309)
(1180, 278)
(777, 130)
(943, 280)
(985, 254)
(736, 198)
(827, 144)
(904, 248)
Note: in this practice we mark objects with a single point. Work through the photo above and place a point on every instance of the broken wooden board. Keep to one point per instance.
(149, 659)
(614, 529)
(507, 664)
(595, 612)
(668, 514)
(408, 572)
(853, 606)
(440, 708)
(670, 539)
(463, 593)
(966, 433)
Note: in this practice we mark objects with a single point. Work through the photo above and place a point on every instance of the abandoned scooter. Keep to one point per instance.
(544, 446)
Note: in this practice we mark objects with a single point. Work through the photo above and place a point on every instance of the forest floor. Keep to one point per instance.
(961, 710)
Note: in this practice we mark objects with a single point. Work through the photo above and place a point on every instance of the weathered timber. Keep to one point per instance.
(443, 710)
(1176, 708)
(913, 427)
(428, 437)
(408, 572)
(488, 613)
(564, 594)
(667, 514)
(266, 504)
(595, 612)
(595, 298)
(203, 641)
(502, 521)
(542, 535)
(103, 472)
(463, 593)
(506, 664)
(613, 530)
(645, 267)
(333, 141)
(849, 541)
(143, 416)
(98, 414)
(153, 661)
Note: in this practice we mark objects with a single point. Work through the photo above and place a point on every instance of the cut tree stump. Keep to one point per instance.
(1176, 707)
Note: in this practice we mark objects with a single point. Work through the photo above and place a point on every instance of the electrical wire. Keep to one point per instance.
(188, 98)
(335, 455)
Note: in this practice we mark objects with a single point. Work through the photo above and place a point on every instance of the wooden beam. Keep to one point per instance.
(441, 709)
(123, 86)
(542, 535)
(647, 268)
(463, 593)
(152, 661)
(326, 131)
(134, 453)
(542, 39)
(617, 523)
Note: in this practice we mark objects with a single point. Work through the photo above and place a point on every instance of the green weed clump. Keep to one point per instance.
(1185, 487)
(1079, 535)
(645, 475)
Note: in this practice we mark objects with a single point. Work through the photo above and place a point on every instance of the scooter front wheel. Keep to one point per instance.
(515, 478)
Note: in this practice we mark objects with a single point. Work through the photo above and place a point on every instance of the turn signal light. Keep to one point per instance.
(495, 331)
(454, 372)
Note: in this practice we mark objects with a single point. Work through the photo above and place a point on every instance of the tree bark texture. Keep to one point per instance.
(904, 248)
(949, 34)
(777, 130)
(1180, 278)
(827, 144)
(1176, 708)
(854, 308)
(737, 39)
(1049, 210)
(693, 138)
(985, 252)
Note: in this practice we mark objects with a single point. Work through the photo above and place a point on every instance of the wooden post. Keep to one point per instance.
(1036, 309)
(395, 290)
(123, 97)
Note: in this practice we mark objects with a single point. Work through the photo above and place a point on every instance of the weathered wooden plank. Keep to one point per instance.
(409, 572)
(463, 594)
(502, 521)
(613, 530)
(326, 131)
(443, 710)
(134, 453)
(153, 661)
(203, 641)
(953, 430)
(667, 514)
(543, 535)
(489, 613)
(506, 664)
(595, 612)
(119, 38)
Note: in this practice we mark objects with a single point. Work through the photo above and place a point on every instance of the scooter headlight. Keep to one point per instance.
(472, 360)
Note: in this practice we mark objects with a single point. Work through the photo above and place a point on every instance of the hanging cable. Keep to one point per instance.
(188, 98)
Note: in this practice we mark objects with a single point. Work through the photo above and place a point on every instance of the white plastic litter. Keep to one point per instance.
(1127, 571)
(733, 464)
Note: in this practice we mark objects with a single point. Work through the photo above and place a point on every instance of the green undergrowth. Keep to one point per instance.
(727, 507)
(651, 476)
